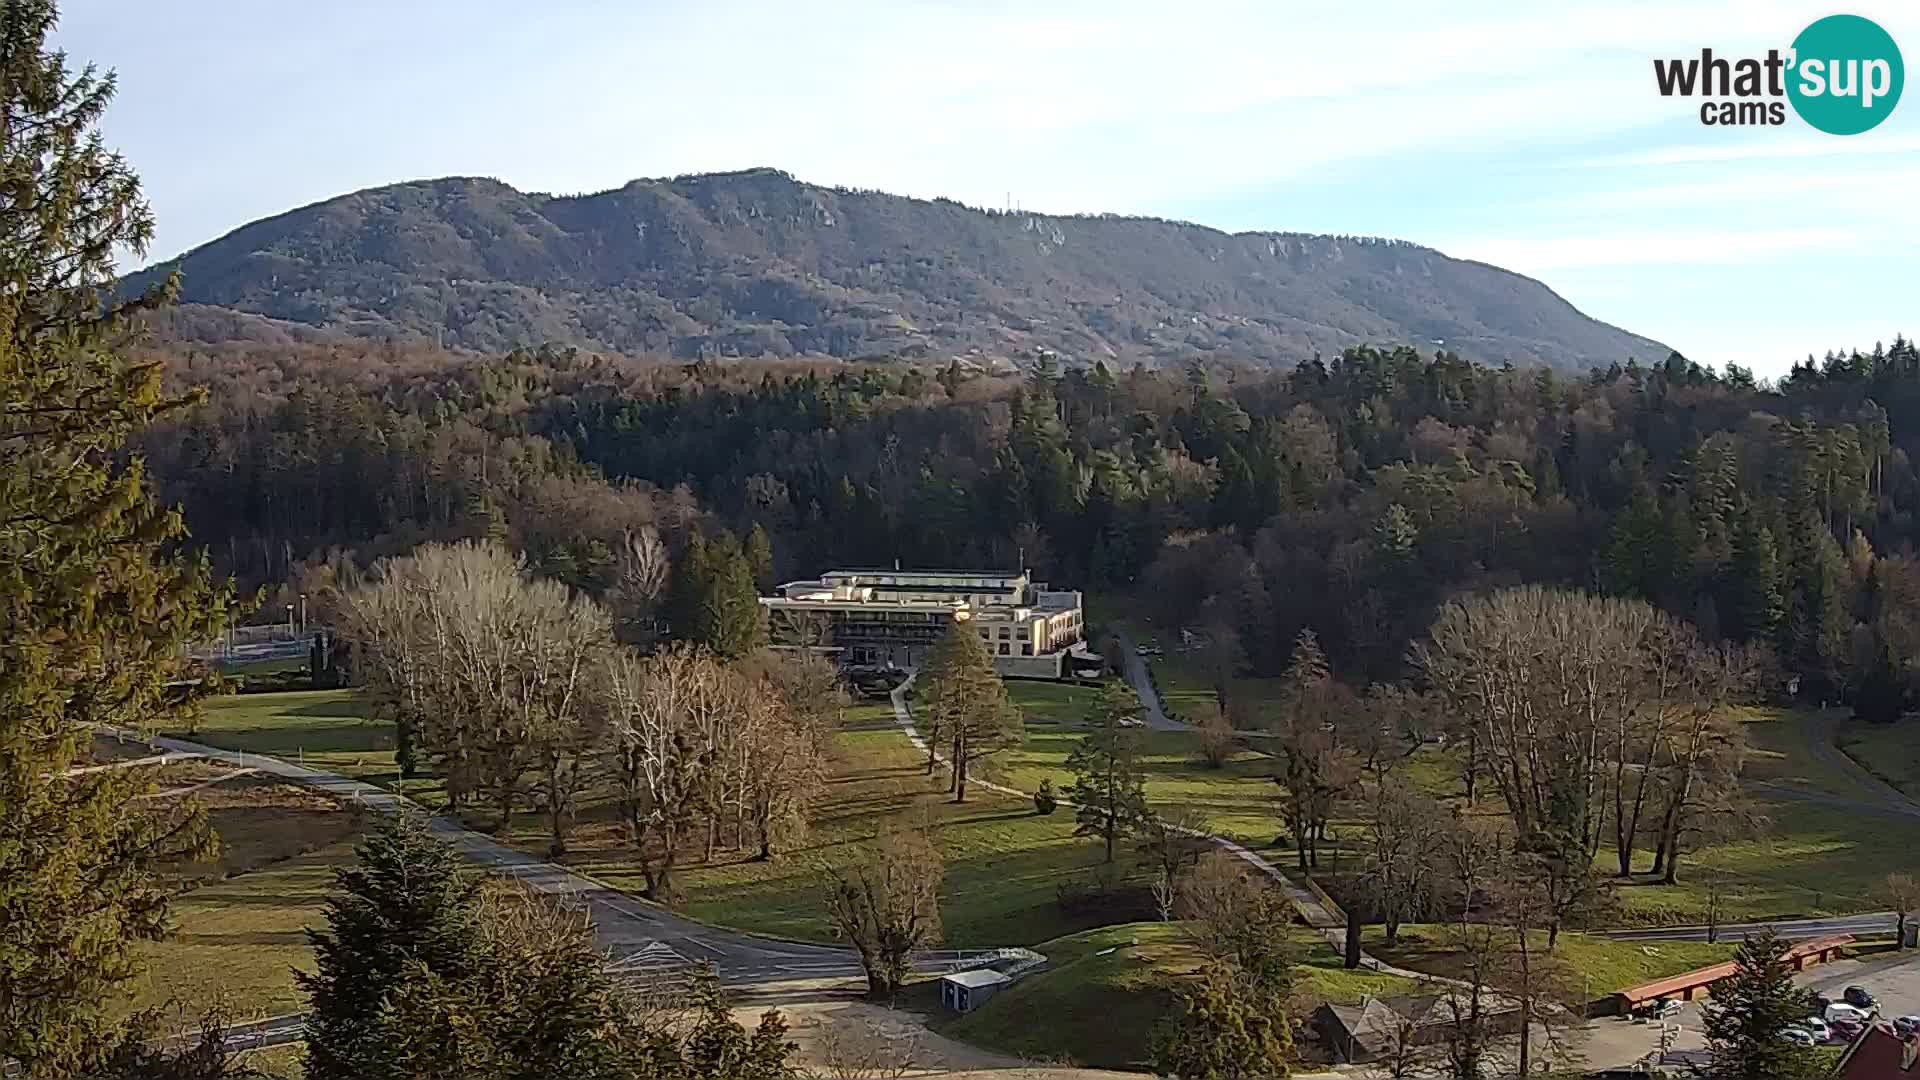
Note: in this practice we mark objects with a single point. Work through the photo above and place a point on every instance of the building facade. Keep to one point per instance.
(891, 618)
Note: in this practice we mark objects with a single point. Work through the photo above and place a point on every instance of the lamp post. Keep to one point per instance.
(303, 613)
(290, 620)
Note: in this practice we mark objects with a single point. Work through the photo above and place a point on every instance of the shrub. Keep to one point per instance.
(1045, 801)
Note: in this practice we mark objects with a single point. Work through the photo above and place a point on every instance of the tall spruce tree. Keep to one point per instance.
(94, 607)
(1108, 791)
(406, 911)
(731, 621)
(1748, 1011)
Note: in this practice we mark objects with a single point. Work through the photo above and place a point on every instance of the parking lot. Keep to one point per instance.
(1893, 978)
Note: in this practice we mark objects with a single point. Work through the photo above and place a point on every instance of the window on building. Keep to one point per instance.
(1003, 649)
(1026, 650)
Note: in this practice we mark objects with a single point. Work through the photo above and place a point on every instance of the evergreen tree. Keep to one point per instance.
(1108, 790)
(95, 610)
(1748, 1011)
(730, 621)
(1819, 605)
(405, 913)
(967, 703)
(1228, 1028)
(686, 588)
(1754, 600)
(759, 554)
(422, 979)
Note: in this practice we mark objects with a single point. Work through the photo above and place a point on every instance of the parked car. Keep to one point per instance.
(1817, 1028)
(1660, 1009)
(1906, 1025)
(1846, 1030)
(1819, 1003)
(1797, 1036)
(1858, 997)
(1840, 1010)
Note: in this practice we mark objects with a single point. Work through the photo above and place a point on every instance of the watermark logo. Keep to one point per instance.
(1843, 75)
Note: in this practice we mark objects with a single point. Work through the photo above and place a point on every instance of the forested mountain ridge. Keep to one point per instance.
(1349, 497)
(756, 263)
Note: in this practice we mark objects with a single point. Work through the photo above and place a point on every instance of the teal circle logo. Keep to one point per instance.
(1846, 75)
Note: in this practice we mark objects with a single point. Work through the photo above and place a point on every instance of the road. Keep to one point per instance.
(634, 933)
(1142, 683)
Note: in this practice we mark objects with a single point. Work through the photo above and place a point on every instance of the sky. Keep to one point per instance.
(1527, 135)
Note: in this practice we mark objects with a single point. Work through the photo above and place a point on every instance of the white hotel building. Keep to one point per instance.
(891, 618)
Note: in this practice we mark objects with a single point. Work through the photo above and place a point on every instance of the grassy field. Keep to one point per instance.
(1593, 966)
(242, 938)
(327, 729)
(1104, 991)
(1003, 862)
(1889, 751)
(1238, 799)
(238, 921)
(1811, 858)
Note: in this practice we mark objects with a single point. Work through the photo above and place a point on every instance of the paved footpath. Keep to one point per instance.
(1323, 920)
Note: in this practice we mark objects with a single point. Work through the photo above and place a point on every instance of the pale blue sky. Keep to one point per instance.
(1529, 135)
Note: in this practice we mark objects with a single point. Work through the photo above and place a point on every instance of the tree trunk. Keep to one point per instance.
(506, 811)
(1352, 958)
(960, 780)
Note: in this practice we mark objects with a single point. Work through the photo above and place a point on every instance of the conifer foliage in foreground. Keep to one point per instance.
(424, 971)
(94, 603)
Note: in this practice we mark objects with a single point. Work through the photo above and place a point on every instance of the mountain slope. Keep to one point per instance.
(757, 263)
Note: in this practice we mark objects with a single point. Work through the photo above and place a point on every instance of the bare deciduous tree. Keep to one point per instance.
(1902, 893)
(1403, 834)
(886, 903)
(659, 707)
(1578, 706)
(639, 585)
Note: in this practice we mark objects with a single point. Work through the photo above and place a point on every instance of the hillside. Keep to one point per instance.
(757, 263)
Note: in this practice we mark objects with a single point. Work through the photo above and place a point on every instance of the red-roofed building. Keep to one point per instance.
(1879, 1054)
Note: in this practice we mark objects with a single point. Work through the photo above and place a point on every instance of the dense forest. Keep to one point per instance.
(1348, 496)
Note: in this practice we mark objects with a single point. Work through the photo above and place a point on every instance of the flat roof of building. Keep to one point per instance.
(888, 571)
(977, 977)
(829, 603)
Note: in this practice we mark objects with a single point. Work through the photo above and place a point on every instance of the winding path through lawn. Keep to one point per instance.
(638, 935)
(1330, 925)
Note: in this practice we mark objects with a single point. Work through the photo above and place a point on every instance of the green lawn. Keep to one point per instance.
(1593, 967)
(1003, 862)
(1100, 1011)
(1238, 799)
(1810, 859)
(241, 938)
(327, 729)
(1888, 751)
